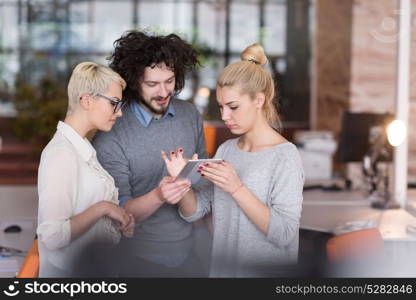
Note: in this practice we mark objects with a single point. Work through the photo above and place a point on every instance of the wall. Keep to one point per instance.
(355, 64)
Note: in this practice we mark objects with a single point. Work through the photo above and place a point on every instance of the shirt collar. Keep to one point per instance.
(82, 145)
(146, 117)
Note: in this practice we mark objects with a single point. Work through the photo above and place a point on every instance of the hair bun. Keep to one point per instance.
(254, 53)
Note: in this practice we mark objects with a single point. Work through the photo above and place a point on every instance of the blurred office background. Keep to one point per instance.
(327, 57)
(41, 41)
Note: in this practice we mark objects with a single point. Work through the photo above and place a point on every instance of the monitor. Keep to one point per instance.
(354, 140)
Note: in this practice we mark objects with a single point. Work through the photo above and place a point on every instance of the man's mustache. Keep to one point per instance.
(157, 98)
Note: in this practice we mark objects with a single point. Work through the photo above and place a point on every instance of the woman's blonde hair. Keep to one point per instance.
(90, 78)
(250, 77)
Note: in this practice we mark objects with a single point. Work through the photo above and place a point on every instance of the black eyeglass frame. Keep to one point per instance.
(118, 104)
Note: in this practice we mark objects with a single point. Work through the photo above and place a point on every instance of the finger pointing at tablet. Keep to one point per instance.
(174, 163)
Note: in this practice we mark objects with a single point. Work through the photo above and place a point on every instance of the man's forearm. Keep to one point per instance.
(144, 206)
(188, 204)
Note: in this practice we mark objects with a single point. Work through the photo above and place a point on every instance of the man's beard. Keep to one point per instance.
(148, 105)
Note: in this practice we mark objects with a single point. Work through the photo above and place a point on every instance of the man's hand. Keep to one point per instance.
(176, 161)
(172, 191)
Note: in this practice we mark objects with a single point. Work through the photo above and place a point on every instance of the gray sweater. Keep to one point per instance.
(275, 176)
(130, 152)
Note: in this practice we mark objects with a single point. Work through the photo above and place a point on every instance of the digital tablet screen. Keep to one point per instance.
(190, 171)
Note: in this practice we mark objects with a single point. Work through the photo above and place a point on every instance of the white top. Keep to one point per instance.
(70, 180)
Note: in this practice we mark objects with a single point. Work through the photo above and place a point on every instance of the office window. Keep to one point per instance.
(182, 19)
(274, 38)
(244, 20)
(80, 15)
(109, 20)
(9, 44)
(157, 15)
(39, 38)
(211, 24)
(8, 26)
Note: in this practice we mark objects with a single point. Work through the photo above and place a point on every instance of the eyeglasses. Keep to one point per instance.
(118, 104)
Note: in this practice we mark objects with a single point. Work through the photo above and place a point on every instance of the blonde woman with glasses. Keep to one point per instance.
(79, 219)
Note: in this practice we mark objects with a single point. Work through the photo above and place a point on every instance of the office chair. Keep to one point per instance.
(30, 266)
(210, 133)
(355, 246)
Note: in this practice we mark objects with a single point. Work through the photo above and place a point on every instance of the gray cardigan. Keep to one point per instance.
(275, 176)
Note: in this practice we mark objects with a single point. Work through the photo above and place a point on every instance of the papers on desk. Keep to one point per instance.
(394, 225)
(13, 246)
(354, 226)
(9, 266)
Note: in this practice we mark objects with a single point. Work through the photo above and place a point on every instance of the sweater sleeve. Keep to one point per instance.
(286, 200)
(57, 188)
(204, 195)
(111, 156)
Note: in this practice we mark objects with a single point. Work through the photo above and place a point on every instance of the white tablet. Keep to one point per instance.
(190, 171)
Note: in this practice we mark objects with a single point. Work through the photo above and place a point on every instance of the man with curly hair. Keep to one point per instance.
(154, 68)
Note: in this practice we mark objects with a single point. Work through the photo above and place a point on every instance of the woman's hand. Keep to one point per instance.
(222, 175)
(175, 162)
(117, 214)
(128, 230)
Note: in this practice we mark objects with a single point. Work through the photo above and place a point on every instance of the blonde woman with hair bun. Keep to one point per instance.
(256, 192)
(254, 53)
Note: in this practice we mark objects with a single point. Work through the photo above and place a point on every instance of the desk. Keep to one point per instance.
(18, 205)
(324, 210)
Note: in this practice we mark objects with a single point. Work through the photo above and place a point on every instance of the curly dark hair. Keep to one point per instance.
(136, 50)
